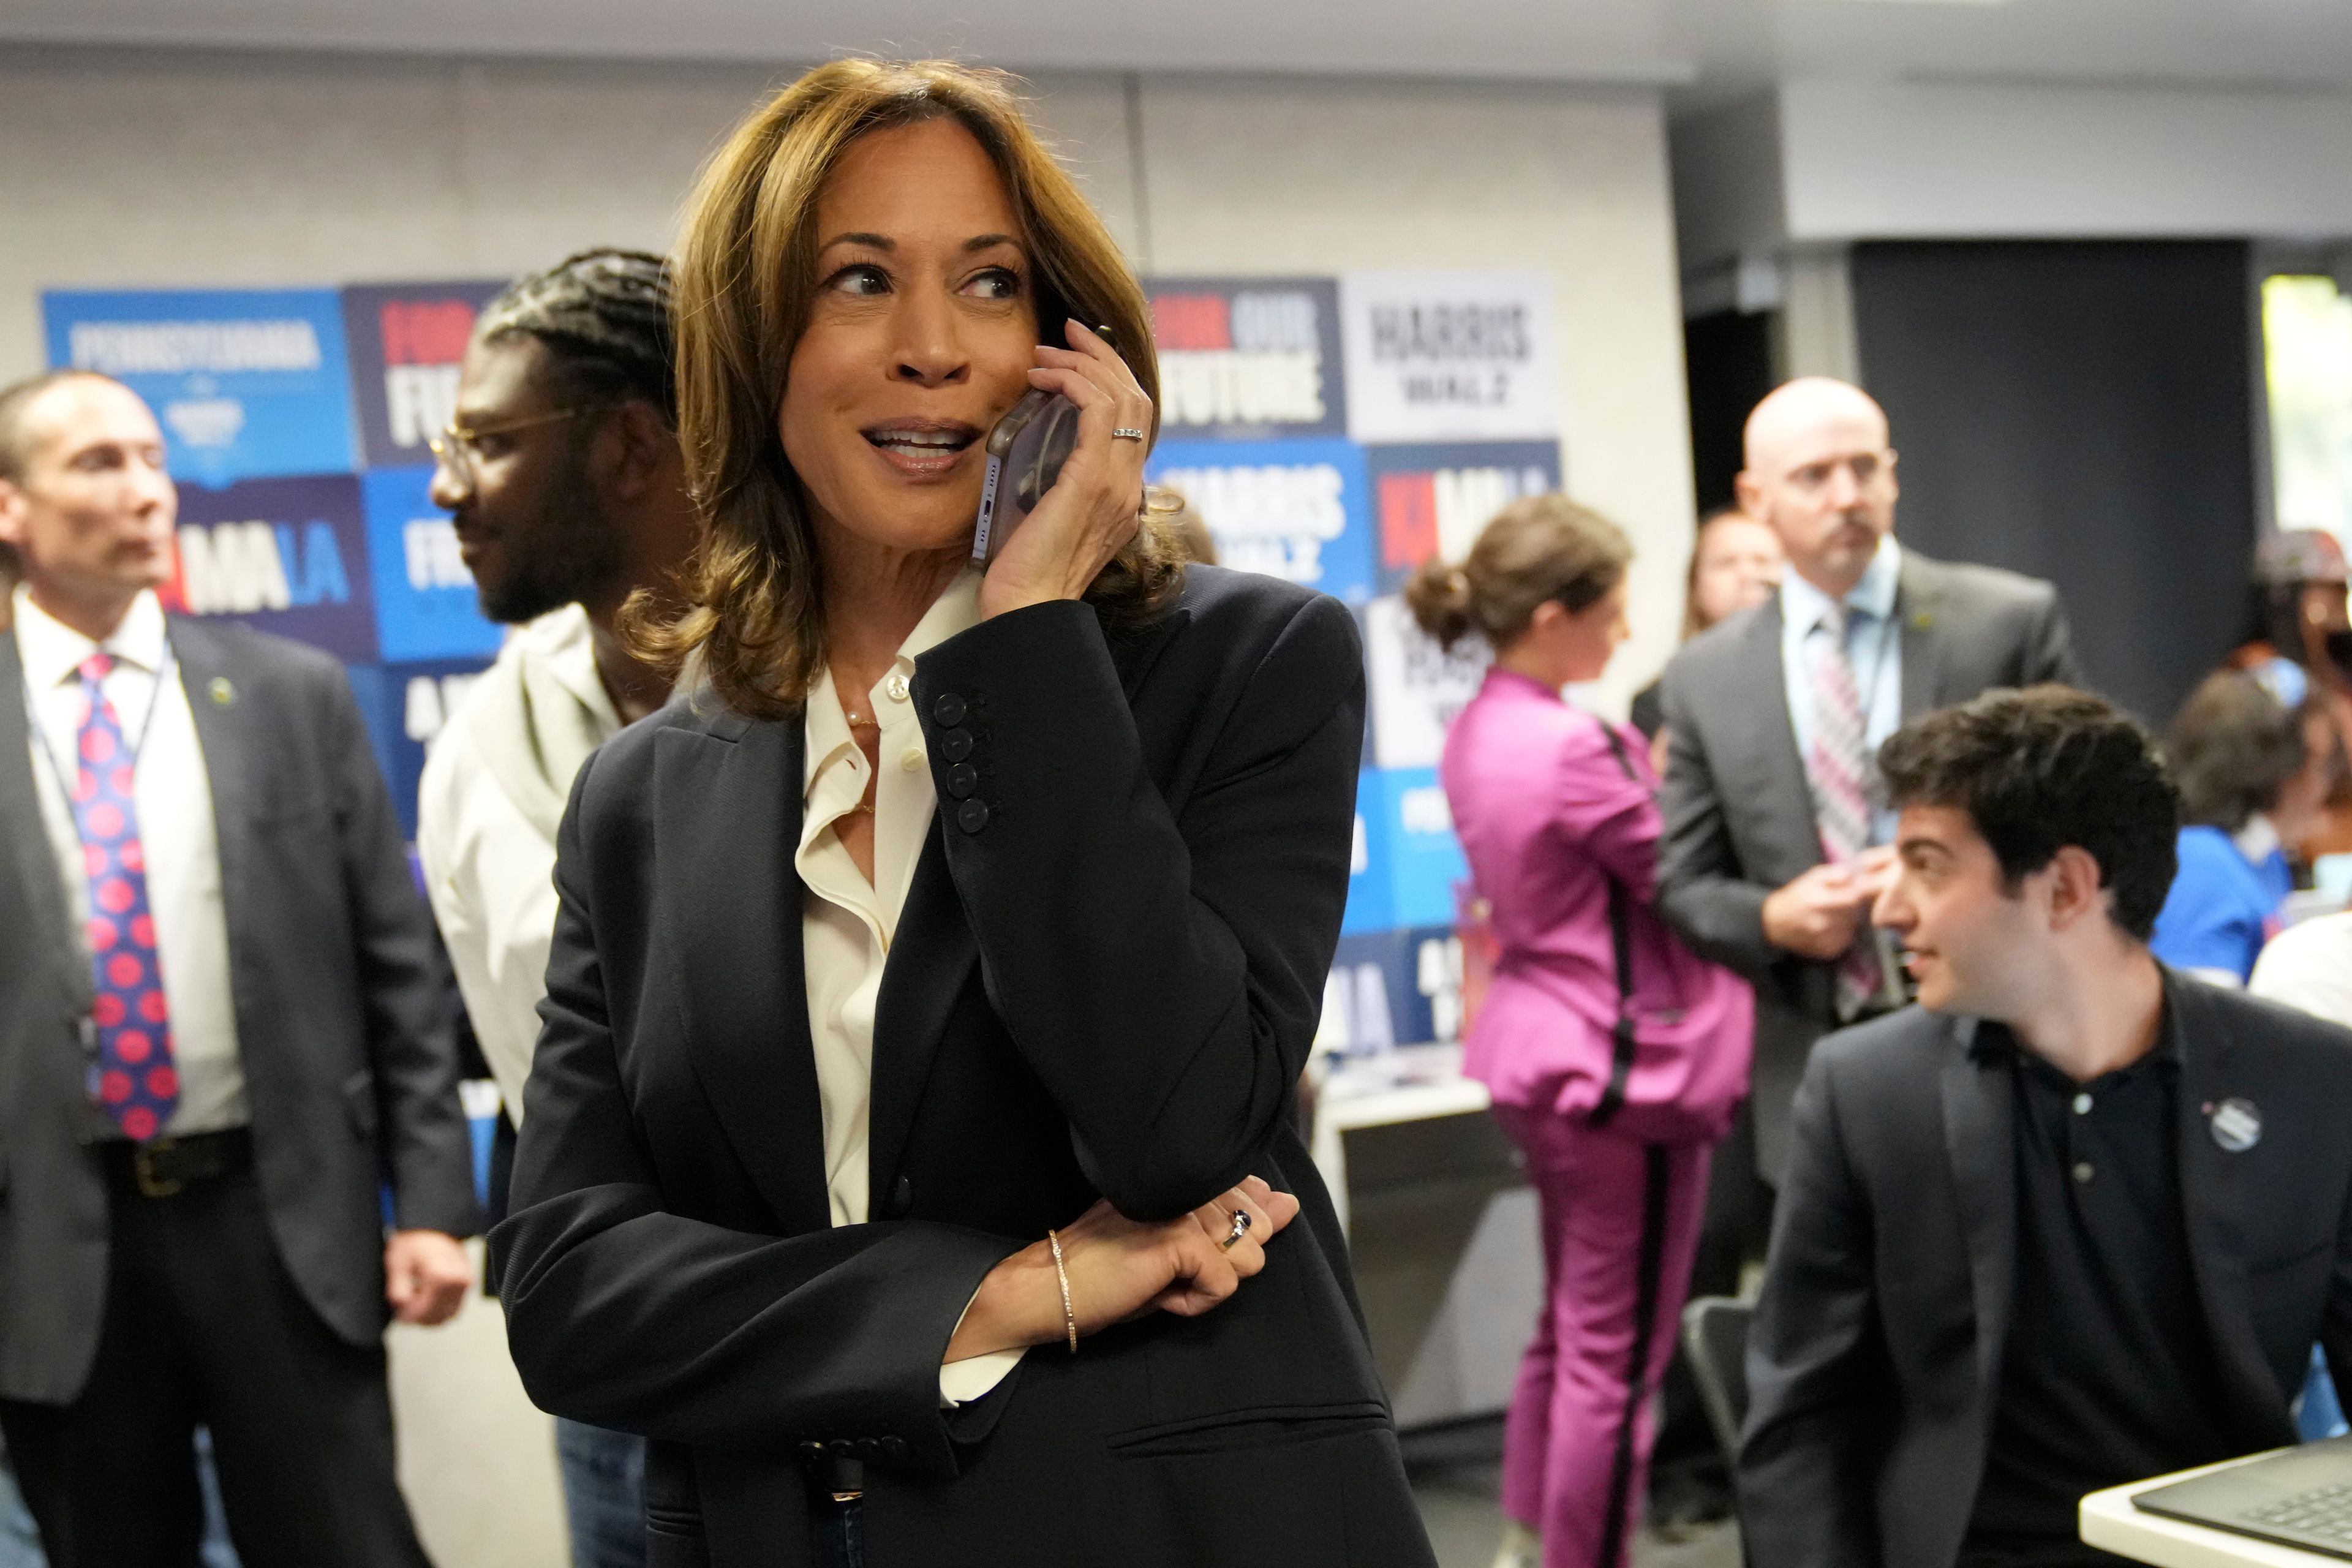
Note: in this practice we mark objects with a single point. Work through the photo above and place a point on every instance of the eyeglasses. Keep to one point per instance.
(458, 445)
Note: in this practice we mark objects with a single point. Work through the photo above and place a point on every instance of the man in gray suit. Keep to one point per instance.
(1776, 827)
(222, 1049)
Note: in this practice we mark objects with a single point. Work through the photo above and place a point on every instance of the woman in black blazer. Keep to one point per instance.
(907, 1152)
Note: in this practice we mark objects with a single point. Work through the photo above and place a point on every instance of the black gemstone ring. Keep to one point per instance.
(1241, 1229)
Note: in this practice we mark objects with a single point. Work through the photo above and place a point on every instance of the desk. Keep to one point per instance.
(2110, 1523)
(1442, 1229)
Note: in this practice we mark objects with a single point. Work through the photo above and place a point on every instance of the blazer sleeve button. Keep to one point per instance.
(955, 745)
(902, 1199)
(962, 779)
(973, 815)
(893, 1447)
(948, 709)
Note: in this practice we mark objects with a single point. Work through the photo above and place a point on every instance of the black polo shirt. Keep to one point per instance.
(2108, 1374)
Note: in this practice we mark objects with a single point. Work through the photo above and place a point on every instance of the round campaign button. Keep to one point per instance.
(2237, 1125)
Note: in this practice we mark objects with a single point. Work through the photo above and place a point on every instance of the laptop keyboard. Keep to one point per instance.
(2325, 1511)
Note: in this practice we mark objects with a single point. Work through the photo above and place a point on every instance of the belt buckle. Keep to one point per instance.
(142, 1169)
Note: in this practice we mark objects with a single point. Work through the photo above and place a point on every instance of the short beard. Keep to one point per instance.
(575, 553)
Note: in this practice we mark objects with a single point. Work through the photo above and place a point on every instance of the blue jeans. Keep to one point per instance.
(604, 1494)
(840, 1535)
(2319, 1416)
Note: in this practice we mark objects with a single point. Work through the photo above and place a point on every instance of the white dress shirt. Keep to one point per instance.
(489, 860)
(2309, 966)
(173, 798)
(848, 922)
(1873, 646)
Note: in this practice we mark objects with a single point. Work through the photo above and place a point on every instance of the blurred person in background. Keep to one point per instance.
(223, 1012)
(2073, 1220)
(1736, 563)
(1559, 819)
(2301, 651)
(562, 474)
(1777, 836)
(2250, 785)
(908, 1135)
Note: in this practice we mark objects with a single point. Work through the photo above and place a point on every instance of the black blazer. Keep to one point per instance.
(1738, 814)
(343, 1030)
(1876, 1350)
(1104, 982)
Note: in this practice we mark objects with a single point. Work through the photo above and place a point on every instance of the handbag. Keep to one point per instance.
(1676, 1075)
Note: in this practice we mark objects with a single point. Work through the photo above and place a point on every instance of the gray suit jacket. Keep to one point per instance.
(1875, 1357)
(350, 1067)
(1739, 817)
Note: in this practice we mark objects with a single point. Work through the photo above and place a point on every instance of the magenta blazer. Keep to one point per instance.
(1546, 817)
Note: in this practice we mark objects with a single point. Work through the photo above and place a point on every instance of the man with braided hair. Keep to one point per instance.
(562, 470)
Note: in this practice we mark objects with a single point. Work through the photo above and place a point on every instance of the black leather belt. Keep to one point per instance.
(164, 1167)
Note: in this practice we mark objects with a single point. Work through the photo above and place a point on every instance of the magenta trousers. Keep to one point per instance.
(1620, 1227)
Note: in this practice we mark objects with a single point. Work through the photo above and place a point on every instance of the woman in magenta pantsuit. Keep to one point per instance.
(1550, 814)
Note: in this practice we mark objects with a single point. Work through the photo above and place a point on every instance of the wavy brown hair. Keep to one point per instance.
(744, 278)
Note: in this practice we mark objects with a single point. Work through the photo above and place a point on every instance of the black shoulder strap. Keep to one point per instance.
(1621, 938)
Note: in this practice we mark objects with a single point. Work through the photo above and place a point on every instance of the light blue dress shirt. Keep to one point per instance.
(1873, 646)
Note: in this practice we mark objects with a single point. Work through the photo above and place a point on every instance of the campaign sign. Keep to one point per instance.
(288, 557)
(1393, 988)
(1433, 501)
(1406, 812)
(1370, 902)
(246, 383)
(425, 606)
(1299, 510)
(406, 705)
(1449, 356)
(407, 340)
(1417, 687)
(1242, 357)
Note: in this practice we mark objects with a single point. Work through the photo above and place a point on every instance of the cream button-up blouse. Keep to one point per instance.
(848, 922)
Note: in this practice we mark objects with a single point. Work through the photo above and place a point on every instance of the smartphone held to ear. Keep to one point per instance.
(1025, 453)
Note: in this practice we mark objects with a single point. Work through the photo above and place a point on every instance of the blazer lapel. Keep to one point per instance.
(1918, 604)
(2213, 1188)
(1978, 1114)
(930, 959)
(28, 855)
(732, 799)
(225, 741)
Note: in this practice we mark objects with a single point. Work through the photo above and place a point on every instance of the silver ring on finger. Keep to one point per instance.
(1129, 433)
(1241, 1229)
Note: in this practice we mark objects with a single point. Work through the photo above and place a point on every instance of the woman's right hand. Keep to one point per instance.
(1121, 1268)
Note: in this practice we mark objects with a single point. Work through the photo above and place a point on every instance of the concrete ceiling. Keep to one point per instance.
(1712, 46)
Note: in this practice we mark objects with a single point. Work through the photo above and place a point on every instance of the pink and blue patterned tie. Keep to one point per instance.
(137, 1085)
(1843, 781)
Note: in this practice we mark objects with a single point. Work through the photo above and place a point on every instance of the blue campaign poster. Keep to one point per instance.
(246, 383)
(404, 706)
(283, 555)
(407, 340)
(1370, 902)
(1248, 358)
(425, 606)
(1298, 509)
(1407, 808)
(1434, 501)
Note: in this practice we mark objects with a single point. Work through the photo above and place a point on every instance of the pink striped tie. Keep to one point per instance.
(1839, 770)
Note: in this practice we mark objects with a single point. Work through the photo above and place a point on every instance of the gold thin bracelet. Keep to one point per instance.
(1070, 1318)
